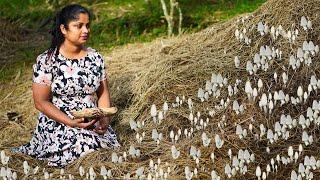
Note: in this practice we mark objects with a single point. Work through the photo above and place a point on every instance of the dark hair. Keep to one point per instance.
(64, 16)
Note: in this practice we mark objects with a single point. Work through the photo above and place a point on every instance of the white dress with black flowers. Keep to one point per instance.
(73, 84)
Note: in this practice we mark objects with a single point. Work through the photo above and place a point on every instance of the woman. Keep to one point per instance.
(69, 76)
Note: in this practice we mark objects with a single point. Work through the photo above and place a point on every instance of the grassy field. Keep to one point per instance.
(115, 23)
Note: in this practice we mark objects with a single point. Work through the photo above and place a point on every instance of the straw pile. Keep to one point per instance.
(157, 72)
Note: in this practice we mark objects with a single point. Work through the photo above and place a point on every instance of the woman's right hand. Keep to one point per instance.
(80, 123)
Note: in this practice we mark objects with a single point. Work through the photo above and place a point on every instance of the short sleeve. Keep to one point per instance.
(103, 73)
(42, 70)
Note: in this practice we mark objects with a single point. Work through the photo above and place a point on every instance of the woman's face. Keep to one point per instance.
(77, 31)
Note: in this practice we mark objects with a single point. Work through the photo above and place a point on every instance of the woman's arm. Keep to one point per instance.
(103, 94)
(41, 97)
(103, 101)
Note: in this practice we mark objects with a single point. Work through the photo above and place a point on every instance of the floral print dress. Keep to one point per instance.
(73, 84)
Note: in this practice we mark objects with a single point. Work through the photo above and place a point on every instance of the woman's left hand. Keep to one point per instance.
(102, 125)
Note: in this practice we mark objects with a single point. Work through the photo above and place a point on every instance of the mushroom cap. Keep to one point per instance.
(303, 21)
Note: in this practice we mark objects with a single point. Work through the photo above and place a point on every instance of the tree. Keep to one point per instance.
(169, 16)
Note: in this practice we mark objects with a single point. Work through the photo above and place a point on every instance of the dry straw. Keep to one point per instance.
(152, 73)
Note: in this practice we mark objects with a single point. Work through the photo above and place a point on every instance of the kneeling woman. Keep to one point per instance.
(69, 76)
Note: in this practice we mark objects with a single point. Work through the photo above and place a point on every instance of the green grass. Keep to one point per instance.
(240, 7)
(208, 12)
(7, 72)
(28, 13)
(144, 22)
(118, 22)
(23, 60)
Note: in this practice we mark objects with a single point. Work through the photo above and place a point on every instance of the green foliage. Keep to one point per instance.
(23, 60)
(118, 22)
(144, 21)
(136, 25)
(28, 12)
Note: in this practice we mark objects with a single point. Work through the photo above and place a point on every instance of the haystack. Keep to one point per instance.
(208, 95)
